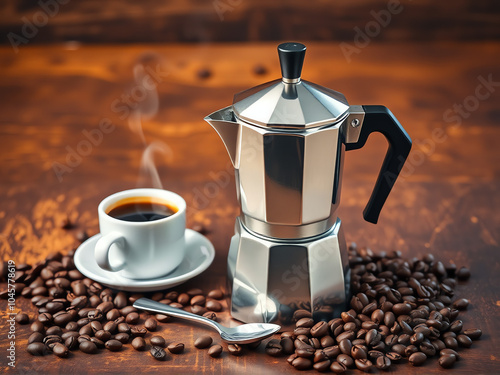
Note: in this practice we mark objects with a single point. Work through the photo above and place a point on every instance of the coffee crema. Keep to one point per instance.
(141, 209)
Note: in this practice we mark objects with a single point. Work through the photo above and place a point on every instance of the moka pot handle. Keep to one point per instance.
(378, 118)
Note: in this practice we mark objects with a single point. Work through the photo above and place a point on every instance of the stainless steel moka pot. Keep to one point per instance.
(286, 140)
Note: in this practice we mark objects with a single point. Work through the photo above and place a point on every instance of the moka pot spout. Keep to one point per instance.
(225, 124)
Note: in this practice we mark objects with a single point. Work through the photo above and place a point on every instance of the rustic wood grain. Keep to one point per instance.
(446, 201)
(150, 21)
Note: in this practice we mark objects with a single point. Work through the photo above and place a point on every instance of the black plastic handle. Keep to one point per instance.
(379, 119)
(291, 56)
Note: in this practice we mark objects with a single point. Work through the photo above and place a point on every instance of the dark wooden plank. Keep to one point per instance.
(237, 20)
(444, 203)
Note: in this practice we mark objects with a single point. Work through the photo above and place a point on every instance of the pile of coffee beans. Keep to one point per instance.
(402, 310)
(77, 313)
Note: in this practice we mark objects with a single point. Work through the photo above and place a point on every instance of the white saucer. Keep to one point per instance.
(199, 255)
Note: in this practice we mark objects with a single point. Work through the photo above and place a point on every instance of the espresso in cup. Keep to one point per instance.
(142, 233)
(139, 209)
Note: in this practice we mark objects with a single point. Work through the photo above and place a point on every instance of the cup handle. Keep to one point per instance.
(102, 247)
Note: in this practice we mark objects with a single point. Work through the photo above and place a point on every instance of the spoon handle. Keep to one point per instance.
(160, 308)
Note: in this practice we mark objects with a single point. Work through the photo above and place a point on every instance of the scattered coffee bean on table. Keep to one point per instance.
(175, 348)
(158, 353)
(215, 351)
(203, 342)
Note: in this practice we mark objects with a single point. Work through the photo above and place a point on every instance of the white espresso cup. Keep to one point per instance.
(141, 249)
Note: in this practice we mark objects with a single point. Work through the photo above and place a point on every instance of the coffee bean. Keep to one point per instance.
(322, 366)
(45, 318)
(451, 342)
(320, 329)
(35, 337)
(358, 352)
(203, 342)
(175, 348)
(120, 300)
(110, 327)
(274, 348)
(345, 346)
(213, 305)
(139, 344)
(38, 326)
(198, 310)
(60, 350)
(417, 359)
(138, 331)
(113, 314)
(427, 348)
(113, 345)
(132, 318)
(304, 323)
(447, 360)
(383, 363)
(346, 360)
(157, 341)
(36, 349)
(198, 300)
(88, 347)
(150, 324)
(464, 341)
(158, 353)
(473, 333)
(461, 304)
(22, 318)
(54, 330)
(163, 318)
(463, 274)
(215, 351)
(448, 351)
(127, 310)
(338, 368)
(364, 365)
(216, 294)
(194, 292)
(287, 345)
(235, 349)
(302, 363)
(71, 343)
(122, 337)
(210, 315)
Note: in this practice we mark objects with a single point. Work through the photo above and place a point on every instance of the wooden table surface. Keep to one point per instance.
(446, 201)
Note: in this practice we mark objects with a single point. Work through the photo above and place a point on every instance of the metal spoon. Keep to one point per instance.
(243, 334)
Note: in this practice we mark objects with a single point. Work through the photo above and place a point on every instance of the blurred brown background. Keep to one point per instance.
(147, 21)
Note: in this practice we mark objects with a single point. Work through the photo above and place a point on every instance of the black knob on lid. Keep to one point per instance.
(291, 59)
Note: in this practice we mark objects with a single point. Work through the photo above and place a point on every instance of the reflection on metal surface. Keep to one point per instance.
(270, 279)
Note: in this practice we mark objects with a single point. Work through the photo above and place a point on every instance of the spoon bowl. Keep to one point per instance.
(242, 334)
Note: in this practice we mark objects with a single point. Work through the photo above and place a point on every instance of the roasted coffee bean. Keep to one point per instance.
(301, 313)
(338, 368)
(448, 351)
(410, 349)
(113, 314)
(198, 310)
(383, 363)
(157, 341)
(364, 365)
(60, 350)
(22, 318)
(346, 360)
(194, 292)
(447, 360)
(427, 348)
(345, 346)
(113, 345)
(464, 341)
(63, 319)
(198, 300)
(88, 347)
(71, 343)
(349, 335)
(305, 352)
(332, 352)
(461, 304)
(451, 342)
(216, 294)
(320, 329)
(127, 310)
(215, 351)
(212, 305)
(150, 324)
(322, 366)
(36, 349)
(209, 315)
(139, 344)
(45, 318)
(103, 335)
(110, 327)
(393, 356)
(122, 337)
(158, 353)
(138, 331)
(358, 352)
(35, 337)
(54, 330)
(273, 348)
(175, 348)
(132, 318)
(463, 274)
(120, 300)
(304, 323)
(327, 341)
(234, 349)
(302, 363)
(203, 342)
(417, 359)
(105, 307)
(473, 333)
(37, 326)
